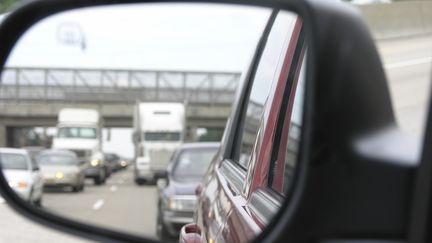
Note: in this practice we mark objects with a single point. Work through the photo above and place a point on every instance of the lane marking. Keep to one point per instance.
(408, 63)
(98, 204)
(113, 188)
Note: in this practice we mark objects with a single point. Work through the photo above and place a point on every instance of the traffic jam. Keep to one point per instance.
(76, 160)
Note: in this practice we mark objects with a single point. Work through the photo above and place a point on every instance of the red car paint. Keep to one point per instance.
(226, 210)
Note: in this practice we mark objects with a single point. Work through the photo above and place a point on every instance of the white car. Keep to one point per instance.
(22, 174)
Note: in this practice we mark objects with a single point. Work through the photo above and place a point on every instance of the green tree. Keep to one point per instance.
(6, 5)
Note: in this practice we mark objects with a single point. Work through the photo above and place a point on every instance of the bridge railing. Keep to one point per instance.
(99, 86)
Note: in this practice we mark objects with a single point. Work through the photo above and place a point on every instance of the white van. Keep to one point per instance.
(158, 132)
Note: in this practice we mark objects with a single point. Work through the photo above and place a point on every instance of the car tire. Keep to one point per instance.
(140, 182)
(82, 187)
(161, 231)
(38, 203)
(100, 179)
(76, 188)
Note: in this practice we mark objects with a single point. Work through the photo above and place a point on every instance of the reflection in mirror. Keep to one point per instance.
(123, 108)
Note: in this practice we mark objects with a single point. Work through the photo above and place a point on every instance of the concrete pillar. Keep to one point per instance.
(3, 138)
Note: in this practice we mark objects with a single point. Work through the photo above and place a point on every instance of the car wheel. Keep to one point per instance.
(82, 186)
(100, 179)
(161, 231)
(139, 182)
(38, 203)
(76, 188)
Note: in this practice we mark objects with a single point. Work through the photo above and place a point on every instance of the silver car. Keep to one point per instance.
(61, 168)
(22, 174)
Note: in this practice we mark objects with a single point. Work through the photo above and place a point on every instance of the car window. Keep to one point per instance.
(192, 164)
(265, 75)
(10, 161)
(77, 132)
(57, 159)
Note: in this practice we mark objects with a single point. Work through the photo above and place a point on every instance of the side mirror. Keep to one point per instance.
(161, 183)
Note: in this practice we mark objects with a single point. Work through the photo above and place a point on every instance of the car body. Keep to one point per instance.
(62, 168)
(34, 151)
(243, 190)
(176, 202)
(113, 161)
(22, 174)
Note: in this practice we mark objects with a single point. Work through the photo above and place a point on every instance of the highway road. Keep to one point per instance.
(120, 204)
(408, 66)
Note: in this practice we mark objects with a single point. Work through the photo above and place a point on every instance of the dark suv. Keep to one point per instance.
(177, 200)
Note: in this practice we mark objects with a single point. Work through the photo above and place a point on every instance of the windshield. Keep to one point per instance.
(77, 132)
(57, 159)
(162, 136)
(193, 163)
(11, 161)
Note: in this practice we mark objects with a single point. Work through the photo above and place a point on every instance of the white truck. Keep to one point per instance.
(80, 131)
(158, 132)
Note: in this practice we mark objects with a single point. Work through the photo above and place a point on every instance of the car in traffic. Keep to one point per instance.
(23, 174)
(113, 161)
(62, 168)
(34, 151)
(177, 199)
(242, 191)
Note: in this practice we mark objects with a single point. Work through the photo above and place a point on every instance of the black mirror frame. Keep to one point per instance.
(324, 21)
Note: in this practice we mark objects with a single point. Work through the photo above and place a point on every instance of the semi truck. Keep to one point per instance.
(80, 131)
(158, 130)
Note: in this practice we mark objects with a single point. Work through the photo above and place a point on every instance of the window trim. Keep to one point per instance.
(241, 112)
(288, 98)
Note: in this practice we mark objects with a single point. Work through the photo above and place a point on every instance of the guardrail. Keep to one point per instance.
(398, 19)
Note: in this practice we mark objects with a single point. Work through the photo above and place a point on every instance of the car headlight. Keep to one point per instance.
(59, 175)
(123, 163)
(181, 204)
(95, 162)
(18, 184)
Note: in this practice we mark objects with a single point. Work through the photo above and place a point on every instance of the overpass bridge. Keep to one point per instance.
(32, 97)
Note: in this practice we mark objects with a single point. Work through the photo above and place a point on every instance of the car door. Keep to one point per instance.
(228, 215)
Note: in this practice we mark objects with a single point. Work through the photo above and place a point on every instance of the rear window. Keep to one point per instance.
(56, 159)
(10, 161)
(162, 136)
(192, 164)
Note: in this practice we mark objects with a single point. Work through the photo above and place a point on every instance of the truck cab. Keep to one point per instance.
(80, 131)
(158, 132)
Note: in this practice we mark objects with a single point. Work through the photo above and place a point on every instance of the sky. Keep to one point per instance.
(189, 37)
(145, 36)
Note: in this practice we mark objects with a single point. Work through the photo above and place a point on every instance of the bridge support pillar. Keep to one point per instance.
(3, 136)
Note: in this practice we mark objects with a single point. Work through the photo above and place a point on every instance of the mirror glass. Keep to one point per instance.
(124, 110)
